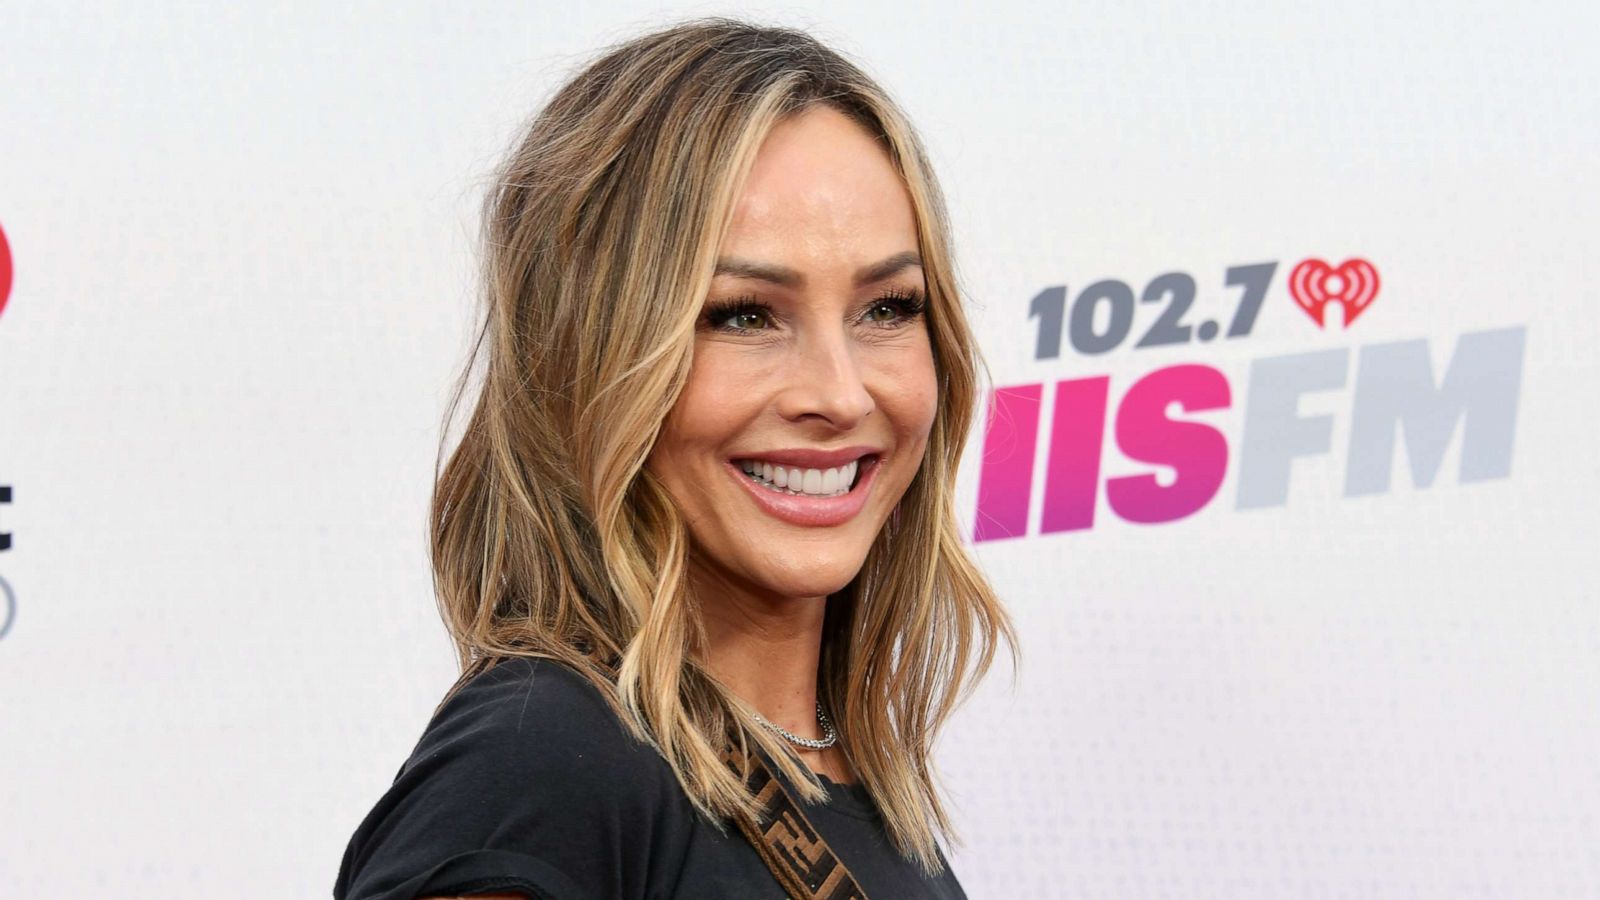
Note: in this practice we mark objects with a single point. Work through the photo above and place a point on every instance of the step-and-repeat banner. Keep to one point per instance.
(1285, 471)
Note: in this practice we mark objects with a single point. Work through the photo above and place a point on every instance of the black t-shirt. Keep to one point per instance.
(525, 780)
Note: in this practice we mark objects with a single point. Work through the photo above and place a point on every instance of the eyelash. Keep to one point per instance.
(910, 305)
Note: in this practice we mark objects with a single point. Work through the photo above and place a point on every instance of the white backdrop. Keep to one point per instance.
(242, 243)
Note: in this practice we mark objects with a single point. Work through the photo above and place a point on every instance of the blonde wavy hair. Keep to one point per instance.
(550, 539)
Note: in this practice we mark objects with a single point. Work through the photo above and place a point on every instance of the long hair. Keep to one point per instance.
(550, 539)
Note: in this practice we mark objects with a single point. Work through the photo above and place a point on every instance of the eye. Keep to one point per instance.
(739, 314)
(896, 308)
(883, 312)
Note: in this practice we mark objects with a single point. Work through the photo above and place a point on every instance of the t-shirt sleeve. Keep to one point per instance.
(524, 781)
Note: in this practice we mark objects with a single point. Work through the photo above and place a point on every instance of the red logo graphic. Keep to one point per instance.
(5, 270)
(1314, 284)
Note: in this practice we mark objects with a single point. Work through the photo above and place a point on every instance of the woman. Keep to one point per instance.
(697, 547)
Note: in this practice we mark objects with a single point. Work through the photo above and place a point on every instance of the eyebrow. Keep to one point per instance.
(789, 278)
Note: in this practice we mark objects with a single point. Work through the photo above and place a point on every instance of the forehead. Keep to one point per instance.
(821, 194)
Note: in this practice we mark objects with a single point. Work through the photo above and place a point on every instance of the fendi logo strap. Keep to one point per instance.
(797, 855)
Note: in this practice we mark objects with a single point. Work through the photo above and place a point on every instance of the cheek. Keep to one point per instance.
(914, 398)
(705, 418)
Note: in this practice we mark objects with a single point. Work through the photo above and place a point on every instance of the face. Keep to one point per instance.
(812, 389)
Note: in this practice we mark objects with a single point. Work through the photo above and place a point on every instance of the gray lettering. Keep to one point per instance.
(1274, 431)
(1394, 386)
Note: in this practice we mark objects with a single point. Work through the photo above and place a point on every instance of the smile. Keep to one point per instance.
(808, 496)
(795, 481)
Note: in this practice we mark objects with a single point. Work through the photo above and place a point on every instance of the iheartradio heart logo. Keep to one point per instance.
(1353, 285)
(5, 270)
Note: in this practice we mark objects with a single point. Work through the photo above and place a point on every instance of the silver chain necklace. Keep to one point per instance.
(829, 735)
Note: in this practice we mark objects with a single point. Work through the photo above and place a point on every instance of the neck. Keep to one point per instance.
(765, 649)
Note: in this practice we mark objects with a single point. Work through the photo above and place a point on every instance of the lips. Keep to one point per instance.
(806, 510)
(810, 458)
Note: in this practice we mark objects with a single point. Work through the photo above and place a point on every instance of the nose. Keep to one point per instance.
(825, 382)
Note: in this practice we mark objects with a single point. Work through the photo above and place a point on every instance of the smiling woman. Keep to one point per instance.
(697, 547)
(808, 405)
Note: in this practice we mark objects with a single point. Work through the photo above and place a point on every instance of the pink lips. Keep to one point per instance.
(813, 512)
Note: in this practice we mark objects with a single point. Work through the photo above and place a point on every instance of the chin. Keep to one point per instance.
(816, 580)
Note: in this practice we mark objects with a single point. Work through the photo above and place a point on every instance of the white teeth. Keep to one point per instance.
(830, 481)
(795, 481)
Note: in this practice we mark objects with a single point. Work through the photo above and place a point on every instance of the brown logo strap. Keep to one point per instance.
(797, 855)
